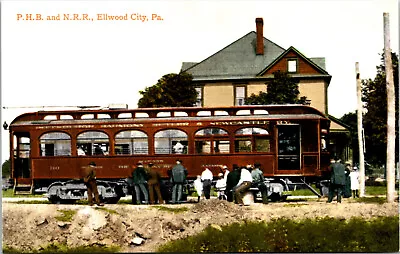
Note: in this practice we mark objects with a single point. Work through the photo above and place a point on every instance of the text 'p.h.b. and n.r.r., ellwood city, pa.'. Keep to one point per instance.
(88, 17)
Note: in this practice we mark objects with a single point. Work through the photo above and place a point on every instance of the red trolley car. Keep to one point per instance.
(49, 148)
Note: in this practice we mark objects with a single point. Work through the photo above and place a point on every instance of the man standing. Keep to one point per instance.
(206, 178)
(258, 181)
(232, 179)
(225, 171)
(179, 173)
(154, 184)
(243, 185)
(139, 177)
(337, 180)
(89, 178)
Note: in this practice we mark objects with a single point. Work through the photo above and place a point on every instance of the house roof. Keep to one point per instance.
(239, 60)
(337, 125)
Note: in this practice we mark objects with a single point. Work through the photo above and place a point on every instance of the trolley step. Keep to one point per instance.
(23, 189)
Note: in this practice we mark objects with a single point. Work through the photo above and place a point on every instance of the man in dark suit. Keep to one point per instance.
(89, 178)
(338, 180)
(179, 173)
(231, 181)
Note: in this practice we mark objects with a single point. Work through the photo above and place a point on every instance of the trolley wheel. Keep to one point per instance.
(54, 200)
(275, 197)
(112, 200)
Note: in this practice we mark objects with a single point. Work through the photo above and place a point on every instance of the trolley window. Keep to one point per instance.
(93, 143)
(212, 140)
(171, 142)
(131, 142)
(252, 140)
(288, 147)
(55, 144)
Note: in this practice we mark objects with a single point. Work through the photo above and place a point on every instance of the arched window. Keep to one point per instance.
(55, 144)
(170, 142)
(93, 143)
(131, 142)
(211, 140)
(252, 140)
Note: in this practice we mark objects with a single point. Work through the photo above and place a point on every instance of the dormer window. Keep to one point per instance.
(292, 65)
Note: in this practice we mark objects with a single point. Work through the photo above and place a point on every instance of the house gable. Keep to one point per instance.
(305, 66)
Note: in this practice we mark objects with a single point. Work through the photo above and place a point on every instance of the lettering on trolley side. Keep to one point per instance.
(239, 123)
(285, 122)
(170, 124)
(141, 125)
(136, 125)
(54, 168)
(63, 127)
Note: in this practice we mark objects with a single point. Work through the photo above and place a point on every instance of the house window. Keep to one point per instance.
(199, 100)
(292, 65)
(240, 95)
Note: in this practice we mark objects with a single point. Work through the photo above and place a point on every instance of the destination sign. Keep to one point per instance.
(144, 125)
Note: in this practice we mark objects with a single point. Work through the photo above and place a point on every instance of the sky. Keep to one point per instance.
(100, 62)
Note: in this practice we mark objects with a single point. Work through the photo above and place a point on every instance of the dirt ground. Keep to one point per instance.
(29, 226)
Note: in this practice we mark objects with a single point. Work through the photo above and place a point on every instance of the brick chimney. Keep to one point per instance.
(260, 37)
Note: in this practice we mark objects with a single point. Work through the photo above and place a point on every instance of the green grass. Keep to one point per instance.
(293, 205)
(110, 211)
(62, 248)
(377, 190)
(369, 190)
(282, 235)
(125, 202)
(9, 193)
(66, 216)
(171, 209)
(371, 200)
(33, 202)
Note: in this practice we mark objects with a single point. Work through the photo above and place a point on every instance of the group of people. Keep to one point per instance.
(152, 177)
(344, 181)
(230, 186)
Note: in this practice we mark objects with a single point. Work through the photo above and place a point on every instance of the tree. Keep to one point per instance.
(350, 119)
(375, 119)
(5, 169)
(283, 89)
(172, 90)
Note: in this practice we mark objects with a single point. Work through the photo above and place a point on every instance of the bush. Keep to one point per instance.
(283, 235)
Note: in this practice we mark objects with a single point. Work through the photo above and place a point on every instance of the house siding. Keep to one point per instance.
(303, 66)
(315, 91)
(218, 95)
(256, 88)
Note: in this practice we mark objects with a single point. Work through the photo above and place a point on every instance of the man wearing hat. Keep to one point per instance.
(337, 180)
(89, 178)
(225, 171)
(154, 184)
(259, 181)
(179, 173)
(139, 177)
(221, 187)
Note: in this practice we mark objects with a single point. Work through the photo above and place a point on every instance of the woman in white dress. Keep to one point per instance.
(354, 182)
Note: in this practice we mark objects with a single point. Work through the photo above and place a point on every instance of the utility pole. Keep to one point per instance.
(360, 133)
(391, 118)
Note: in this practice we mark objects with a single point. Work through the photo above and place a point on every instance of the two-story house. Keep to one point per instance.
(244, 67)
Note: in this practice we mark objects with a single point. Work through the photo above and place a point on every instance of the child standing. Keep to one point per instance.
(198, 185)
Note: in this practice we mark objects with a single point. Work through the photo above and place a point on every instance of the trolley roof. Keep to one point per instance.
(145, 115)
